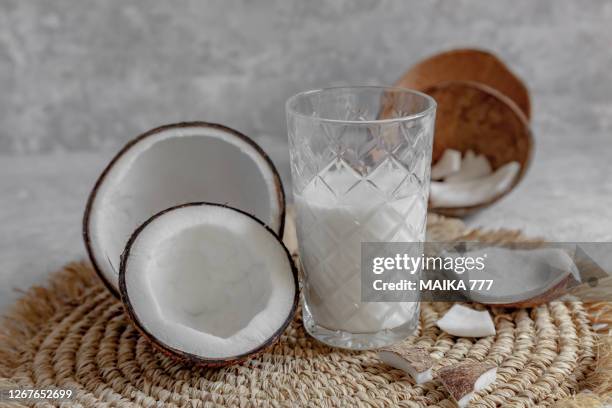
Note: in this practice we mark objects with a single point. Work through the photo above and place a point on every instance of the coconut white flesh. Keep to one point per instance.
(175, 166)
(485, 379)
(465, 322)
(600, 326)
(449, 163)
(472, 167)
(482, 382)
(209, 281)
(473, 192)
(465, 400)
(396, 360)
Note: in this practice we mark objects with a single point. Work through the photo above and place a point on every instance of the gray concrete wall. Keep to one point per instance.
(84, 74)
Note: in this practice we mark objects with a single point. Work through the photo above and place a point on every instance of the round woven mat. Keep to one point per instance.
(74, 334)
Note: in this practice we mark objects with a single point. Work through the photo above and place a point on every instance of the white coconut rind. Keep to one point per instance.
(449, 163)
(208, 281)
(473, 192)
(472, 167)
(483, 381)
(175, 165)
(465, 322)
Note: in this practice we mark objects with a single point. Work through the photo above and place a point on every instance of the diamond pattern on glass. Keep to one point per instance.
(388, 176)
(364, 183)
(339, 176)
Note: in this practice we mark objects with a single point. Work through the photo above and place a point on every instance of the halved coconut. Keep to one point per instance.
(171, 165)
(468, 65)
(208, 283)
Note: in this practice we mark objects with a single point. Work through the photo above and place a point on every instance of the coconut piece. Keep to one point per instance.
(171, 165)
(523, 277)
(472, 167)
(473, 192)
(414, 361)
(462, 321)
(462, 380)
(449, 163)
(208, 283)
(600, 326)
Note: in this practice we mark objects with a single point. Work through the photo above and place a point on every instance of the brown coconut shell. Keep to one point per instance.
(459, 379)
(181, 355)
(473, 116)
(468, 65)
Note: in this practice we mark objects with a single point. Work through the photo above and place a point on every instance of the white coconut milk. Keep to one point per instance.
(331, 228)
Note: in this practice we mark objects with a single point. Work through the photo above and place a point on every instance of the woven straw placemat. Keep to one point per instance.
(73, 333)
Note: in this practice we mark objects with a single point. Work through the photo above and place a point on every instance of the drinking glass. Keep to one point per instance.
(360, 164)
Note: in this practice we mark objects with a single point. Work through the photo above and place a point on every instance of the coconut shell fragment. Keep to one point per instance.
(413, 360)
(462, 380)
(462, 321)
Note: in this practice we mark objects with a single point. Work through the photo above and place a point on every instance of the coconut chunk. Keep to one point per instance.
(472, 167)
(208, 283)
(415, 361)
(600, 326)
(449, 163)
(473, 192)
(462, 380)
(465, 322)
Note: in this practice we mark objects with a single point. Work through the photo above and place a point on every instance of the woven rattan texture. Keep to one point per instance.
(73, 333)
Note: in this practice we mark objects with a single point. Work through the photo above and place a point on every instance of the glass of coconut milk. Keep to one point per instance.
(360, 163)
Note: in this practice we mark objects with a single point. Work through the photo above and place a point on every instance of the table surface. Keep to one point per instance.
(566, 196)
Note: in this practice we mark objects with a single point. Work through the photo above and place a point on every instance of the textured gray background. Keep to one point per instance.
(78, 78)
(79, 75)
